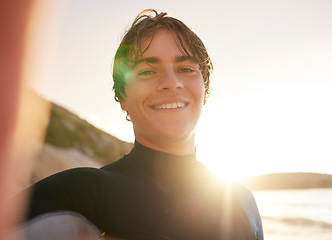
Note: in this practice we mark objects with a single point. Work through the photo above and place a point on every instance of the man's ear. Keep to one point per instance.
(123, 105)
(204, 100)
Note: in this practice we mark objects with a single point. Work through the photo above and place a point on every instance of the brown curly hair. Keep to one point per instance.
(146, 25)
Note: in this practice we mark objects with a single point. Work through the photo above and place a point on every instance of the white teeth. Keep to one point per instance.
(170, 106)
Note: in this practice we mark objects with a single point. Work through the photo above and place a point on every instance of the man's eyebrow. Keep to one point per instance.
(147, 60)
(178, 59)
(184, 58)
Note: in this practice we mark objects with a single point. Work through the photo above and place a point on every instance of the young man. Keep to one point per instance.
(159, 190)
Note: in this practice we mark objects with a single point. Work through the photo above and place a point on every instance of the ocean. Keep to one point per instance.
(296, 214)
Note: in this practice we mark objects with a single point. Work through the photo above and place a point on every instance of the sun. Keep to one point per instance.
(229, 170)
(229, 161)
(223, 153)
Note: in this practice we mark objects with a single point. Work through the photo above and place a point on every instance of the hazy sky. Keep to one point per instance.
(270, 109)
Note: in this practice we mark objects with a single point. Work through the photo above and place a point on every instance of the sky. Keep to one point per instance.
(270, 106)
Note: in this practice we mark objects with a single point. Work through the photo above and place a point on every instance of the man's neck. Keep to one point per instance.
(176, 147)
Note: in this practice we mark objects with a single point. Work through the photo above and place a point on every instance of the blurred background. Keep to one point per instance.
(268, 118)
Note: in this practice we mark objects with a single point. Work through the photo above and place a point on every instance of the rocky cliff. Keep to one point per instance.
(72, 142)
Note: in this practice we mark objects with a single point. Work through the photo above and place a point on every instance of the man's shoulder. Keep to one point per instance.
(83, 175)
(248, 203)
(244, 195)
(245, 199)
(82, 172)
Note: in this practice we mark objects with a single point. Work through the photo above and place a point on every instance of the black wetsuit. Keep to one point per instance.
(152, 195)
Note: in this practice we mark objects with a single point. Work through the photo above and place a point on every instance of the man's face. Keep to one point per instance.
(165, 93)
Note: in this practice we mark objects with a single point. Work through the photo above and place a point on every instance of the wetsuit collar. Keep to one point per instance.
(160, 165)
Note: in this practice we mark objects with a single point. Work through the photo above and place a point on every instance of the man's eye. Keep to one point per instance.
(147, 72)
(187, 70)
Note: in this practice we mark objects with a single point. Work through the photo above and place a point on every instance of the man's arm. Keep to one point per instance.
(58, 225)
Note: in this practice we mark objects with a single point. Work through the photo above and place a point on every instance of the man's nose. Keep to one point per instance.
(169, 80)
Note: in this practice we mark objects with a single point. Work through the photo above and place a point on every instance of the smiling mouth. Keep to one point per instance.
(170, 105)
